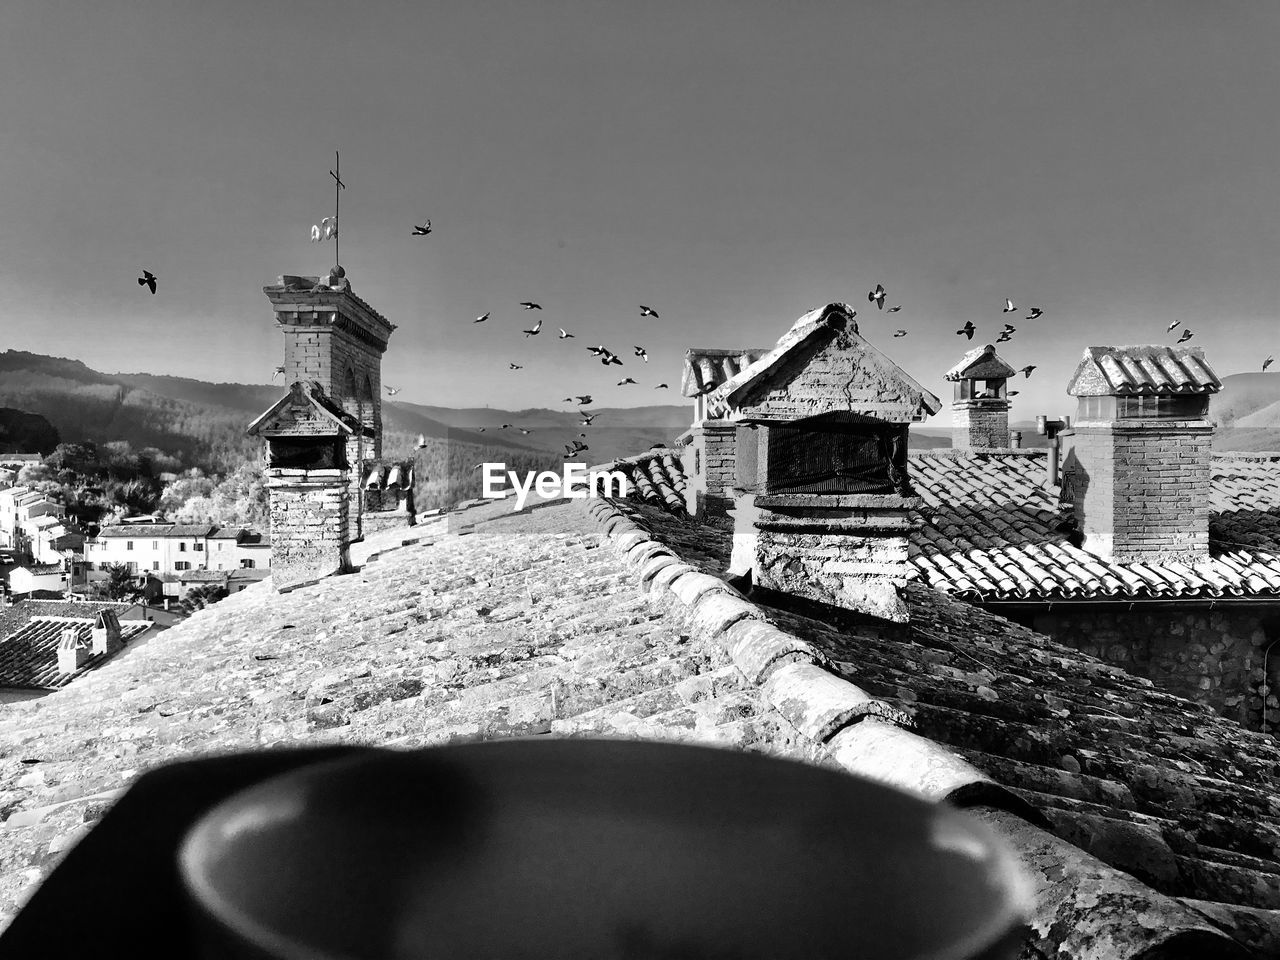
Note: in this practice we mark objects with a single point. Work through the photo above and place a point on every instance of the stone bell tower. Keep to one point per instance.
(335, 340)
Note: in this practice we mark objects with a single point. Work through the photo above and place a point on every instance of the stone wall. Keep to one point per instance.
(1213, 656)
(309, 524)
(1140, 489)
(978, 424)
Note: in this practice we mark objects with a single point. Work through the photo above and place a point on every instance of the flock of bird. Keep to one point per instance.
(327, 229)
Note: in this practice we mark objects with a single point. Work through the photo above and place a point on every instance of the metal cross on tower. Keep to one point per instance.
(338, 186)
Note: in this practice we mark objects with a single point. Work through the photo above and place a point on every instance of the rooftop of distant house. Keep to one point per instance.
(198, 531)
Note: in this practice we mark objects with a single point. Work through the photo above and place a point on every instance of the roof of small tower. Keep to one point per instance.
(980, 363)
(705, 368)
(307, 294)
(1152, 370)
(322, 417)
(829, 321)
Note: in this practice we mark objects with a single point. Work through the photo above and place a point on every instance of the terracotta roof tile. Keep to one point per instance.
(29, 656)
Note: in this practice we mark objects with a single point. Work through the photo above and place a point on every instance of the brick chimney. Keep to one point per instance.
(73, 653)
(106, 633)
(980, 408)
(1137, 471)
(712, 456)
(334, 339)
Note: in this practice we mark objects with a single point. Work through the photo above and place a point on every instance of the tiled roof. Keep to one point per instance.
(159, 531)
(525, 626)
(655, 476)
(706, 368)
(1125, 371)
(29, 657)
(993, 530)
(39, 569)
(1180, 800)
(15, 616)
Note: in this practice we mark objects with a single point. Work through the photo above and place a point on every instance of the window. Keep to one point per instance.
(155, 564)
(182, 565)
(133, 566)
(155, 544)
(128, 544)
(197, 546)
(182, 546)
(220, 546)
(246, 564)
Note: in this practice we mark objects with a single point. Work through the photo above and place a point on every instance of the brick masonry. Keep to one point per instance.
(1213, 656)
(712, 454)
(978, 424)
(309, 524)
(1140, 489)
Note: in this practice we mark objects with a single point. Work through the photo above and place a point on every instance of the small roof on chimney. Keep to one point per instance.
(705, 368)
(883, 389)
(1151, 370)
(306, 411)
(980, 363)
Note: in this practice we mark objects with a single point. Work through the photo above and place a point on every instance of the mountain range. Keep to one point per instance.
(203, 423)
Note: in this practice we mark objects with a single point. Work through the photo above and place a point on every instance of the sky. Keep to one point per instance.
(733, 165)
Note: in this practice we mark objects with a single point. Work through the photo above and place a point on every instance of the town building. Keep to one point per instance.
(18, 506)
(172, 548)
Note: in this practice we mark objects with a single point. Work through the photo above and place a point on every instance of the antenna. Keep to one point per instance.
(338, 186)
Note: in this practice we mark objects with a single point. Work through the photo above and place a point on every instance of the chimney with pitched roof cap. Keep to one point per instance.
(980, 408)
(73, 653)
(711, 458)
(106, 633)
(1137, 472)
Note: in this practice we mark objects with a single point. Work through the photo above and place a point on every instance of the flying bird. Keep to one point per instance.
(525, 432)
(1014, 393)
(1034, 313)
(1266, 363)
(316, 234)
(1026, 371)
(329, 227)
(279, 372)
(624, 381)
(565, 336)
(423, 230)
(148, 280)
(481, 429)
(587, 418)
(391, 391)
(647, 311)
(505, 426)
(533, 331)
(876, 296)
(1186, 335)
(515, 366)
(530, 305)
(584, 399)
(1010, 328)
(895, 309)
(482, 318)
(422, 439)
(967, 329)
(899, 333)
(1169, 328)
(1008, 306)
(643, 354)
(662, 386)
(1005, 335)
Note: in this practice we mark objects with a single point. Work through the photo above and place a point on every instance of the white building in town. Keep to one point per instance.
(165, 548)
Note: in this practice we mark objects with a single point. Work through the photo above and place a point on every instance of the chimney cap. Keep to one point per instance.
(1144, 370)
(980, 363)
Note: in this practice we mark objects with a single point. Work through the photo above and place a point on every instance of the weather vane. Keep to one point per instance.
(327, 229)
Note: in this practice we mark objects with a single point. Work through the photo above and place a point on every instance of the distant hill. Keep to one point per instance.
(1247, 412)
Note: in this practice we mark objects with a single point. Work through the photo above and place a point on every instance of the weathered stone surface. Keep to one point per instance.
(758, 648)
(819, 704)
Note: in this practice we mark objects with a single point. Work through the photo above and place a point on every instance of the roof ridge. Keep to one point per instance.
(868, 737)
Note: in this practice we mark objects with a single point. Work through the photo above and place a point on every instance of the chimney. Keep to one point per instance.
(106, 633)
(73, 653)
(1137, 473)
(980, 408)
